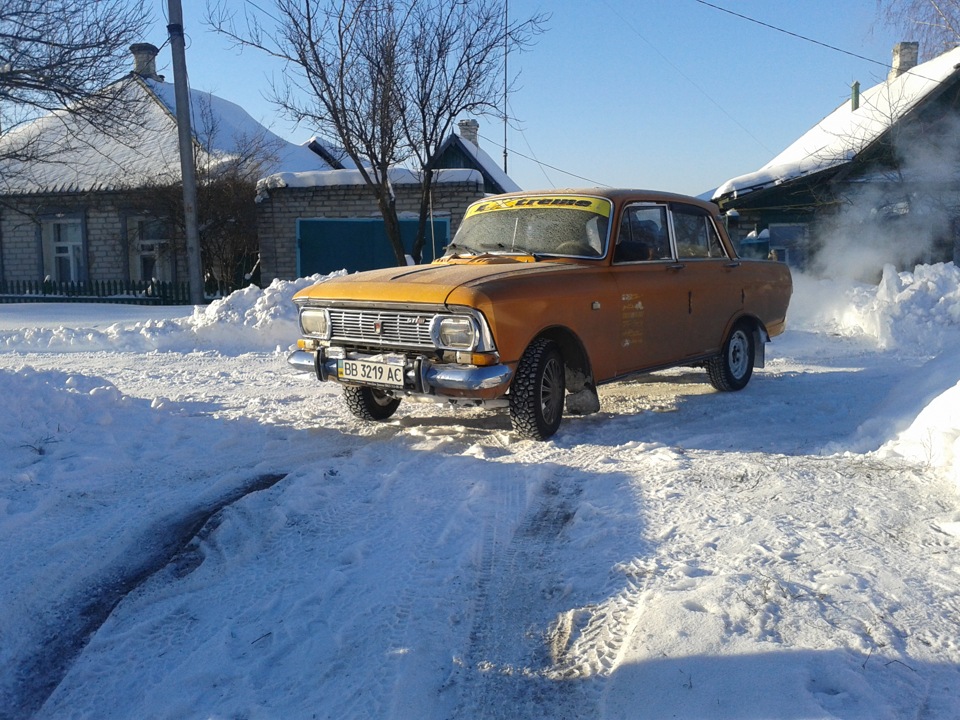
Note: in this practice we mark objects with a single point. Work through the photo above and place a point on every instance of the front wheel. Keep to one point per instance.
(537, 392)
(368, 403)
(733, 367)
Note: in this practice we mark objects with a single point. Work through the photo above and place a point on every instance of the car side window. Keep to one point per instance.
(643, 234)
(696, 234)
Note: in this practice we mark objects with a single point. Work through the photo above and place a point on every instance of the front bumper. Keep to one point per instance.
(424, 377)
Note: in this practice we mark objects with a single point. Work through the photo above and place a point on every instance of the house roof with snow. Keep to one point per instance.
(75, 156)
(464, 151)
(458, 159)
(849, 130)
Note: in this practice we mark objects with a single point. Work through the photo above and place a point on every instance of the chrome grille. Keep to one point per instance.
(381, 328)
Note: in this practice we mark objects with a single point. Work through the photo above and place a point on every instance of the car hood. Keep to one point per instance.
(430, 284)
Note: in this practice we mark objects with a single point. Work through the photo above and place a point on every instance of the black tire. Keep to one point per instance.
(537, 392)
(732, 369)
(369, 404)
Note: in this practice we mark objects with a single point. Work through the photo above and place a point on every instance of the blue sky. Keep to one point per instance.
(663, 94)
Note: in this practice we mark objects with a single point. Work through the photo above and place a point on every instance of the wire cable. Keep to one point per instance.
(526, 142)
(721, 108)
(792, 34)
(547, 165)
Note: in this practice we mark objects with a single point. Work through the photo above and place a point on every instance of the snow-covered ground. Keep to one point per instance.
(188, 529)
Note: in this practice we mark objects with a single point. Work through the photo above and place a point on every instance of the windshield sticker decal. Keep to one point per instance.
(563, 202)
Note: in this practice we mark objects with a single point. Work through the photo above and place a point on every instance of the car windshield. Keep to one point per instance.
(570, 225)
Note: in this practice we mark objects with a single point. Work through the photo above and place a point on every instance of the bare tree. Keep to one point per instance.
(227, 212)
(385, 79)
(457, 53)
(59, 57)
(226, 209)
(935, 24)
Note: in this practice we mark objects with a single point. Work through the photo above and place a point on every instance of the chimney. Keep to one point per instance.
(145, 61)
(904, 58)
(469, 130)
(855, 96)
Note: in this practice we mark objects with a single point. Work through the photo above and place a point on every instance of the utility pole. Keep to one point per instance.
(185, 135)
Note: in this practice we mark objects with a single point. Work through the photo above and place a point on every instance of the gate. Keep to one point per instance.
(325, 245)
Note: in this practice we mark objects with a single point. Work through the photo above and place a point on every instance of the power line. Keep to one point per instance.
(792, 34)
(721, 108)
(552, 167)
(526, 141)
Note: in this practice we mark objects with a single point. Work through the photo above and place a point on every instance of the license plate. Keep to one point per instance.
(373, 373)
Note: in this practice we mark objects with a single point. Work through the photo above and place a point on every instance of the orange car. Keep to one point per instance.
(539, 298)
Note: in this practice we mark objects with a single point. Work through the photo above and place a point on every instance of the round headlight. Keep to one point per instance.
(457, 332)
(314, 322)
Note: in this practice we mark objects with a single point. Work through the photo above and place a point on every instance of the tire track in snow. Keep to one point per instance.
(504, 671)
(412, 536)
(78, 616)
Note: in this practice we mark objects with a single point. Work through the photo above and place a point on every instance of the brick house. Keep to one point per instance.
(86, 210)
(320, 222)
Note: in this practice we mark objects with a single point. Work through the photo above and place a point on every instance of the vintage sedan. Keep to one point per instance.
(541, 297)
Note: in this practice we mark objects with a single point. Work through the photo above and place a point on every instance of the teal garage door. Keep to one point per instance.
(325, 245)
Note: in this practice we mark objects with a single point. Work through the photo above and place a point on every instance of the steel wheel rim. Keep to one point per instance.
(380, 398)
(737, 354)
(551, 390)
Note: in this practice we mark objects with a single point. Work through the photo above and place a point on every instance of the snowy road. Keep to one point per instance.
(683, 553)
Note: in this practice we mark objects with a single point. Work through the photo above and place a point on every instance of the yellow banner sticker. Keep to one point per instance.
(598, 206)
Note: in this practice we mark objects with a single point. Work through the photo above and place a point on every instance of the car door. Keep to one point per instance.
(652, 299)
(710, 279)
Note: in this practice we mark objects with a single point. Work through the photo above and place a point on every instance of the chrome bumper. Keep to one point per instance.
(432, 377)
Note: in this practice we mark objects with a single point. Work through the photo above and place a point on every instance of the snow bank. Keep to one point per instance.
(249, 320)
(934, 437)
(914, 314)
(253, 318)
(910, 312)
(49, 405)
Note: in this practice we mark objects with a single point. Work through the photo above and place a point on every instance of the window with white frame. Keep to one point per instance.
(150, 257)
(63, 257)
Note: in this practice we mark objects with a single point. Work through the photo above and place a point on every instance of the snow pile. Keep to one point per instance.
(251, 319)
(50, 406)
(933, 438)
(140, 337)
(916, 315)
(910, 312)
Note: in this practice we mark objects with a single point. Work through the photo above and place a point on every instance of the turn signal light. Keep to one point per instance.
(480, 359)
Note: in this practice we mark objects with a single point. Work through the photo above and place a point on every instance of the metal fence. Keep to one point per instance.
(102, 291)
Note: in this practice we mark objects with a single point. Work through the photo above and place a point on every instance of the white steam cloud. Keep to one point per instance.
(902, 216)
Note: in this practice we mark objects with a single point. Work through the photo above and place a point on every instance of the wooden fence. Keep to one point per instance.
(102, 291)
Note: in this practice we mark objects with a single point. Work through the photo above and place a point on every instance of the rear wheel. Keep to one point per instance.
(369, 404)
(537, 392)
(733, 367)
